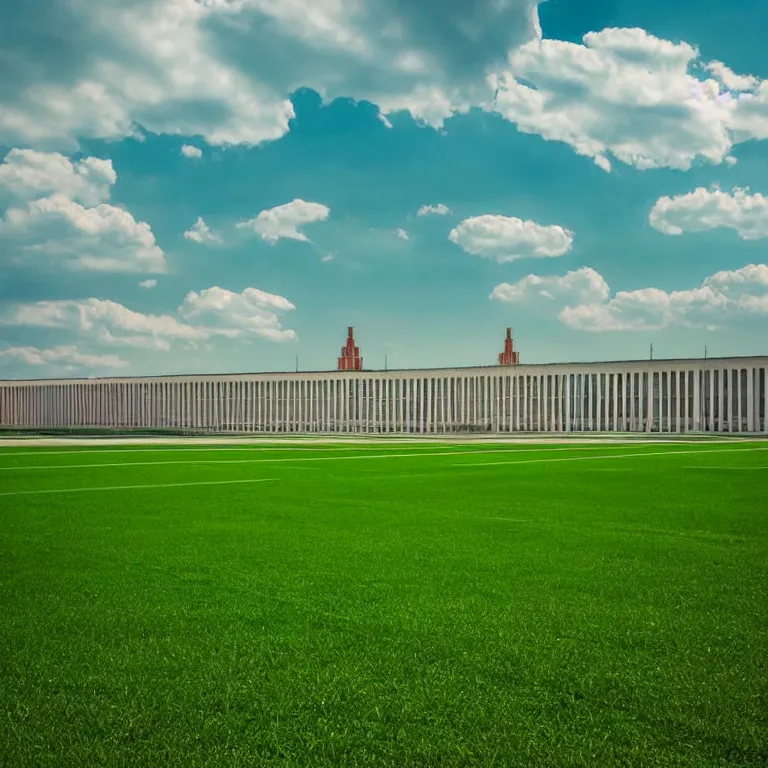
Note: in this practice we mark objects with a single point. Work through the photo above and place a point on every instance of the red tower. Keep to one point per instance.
(350, 359)
(509, 356)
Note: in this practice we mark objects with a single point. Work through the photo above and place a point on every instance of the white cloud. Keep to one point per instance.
(67, 356)
(286, 220)
(629, 95)
(730, 79)
(222, 69)
(191, 151)
(584, 301)
(121, 65)
(705, 209)
(402, 234)
(100, 319)
(104, 238)
(201, 233)
(438, 210)
(211, 313)
(148, 284)
(584, 285)
(328, 257)
(27, 175)
(238, 314)
(506, 238)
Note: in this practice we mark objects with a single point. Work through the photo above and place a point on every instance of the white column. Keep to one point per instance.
(696, 400)
(641, 401)
(651, 402)
(739, 401)
(314, 405)
(603, 425)
(629, 400)
(514, 403)
(542, 406)
(552, 398)
(531, 410)
(323, 403)
(720, 400)
(750, 400)
(439, 404)
(418, 405)
(765, 399)
(384, 401)
(413, 415)
(677, 391)
(428, 384)
(258, 393)
(660, 408)
(614, 385)
(583, 402)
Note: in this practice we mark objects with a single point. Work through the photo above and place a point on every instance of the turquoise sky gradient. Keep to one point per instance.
(422, 301)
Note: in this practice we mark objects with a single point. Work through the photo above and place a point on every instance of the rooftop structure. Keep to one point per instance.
(509, 356)
(350, 359)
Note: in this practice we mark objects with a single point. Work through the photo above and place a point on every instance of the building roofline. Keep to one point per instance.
(362, 372)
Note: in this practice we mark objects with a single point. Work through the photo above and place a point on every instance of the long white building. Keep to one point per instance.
(715, 395)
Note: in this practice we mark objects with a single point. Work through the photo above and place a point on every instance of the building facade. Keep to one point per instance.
(671, 396)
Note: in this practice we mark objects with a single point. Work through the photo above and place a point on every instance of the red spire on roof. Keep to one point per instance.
(509, 356)
(350, 359)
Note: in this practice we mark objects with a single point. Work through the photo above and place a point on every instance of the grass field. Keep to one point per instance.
(398, 605)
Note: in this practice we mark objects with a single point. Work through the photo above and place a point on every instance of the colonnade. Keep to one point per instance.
(723, 395)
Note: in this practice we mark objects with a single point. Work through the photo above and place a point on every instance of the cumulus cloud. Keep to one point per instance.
(191, 151)
(121, 67)
(213, 312)
(402, 234)
(148, 284)
(104, 321)
(628, 95)
(201, 233)
(26, 174)
(705, 209)
(238, 314)
(57, 212)
(104, 238)
(507, 238)
(438, 210)
(69, 357)
(222, 69)
(585, 303)
(584, 285)
(286, 221)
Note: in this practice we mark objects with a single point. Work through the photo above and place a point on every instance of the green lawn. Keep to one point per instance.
(412, 605)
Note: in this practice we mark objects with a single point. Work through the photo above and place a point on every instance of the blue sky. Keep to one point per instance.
(224, 185)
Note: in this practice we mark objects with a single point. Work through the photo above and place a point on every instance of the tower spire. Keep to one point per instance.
(509, 356)
(350, 359)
